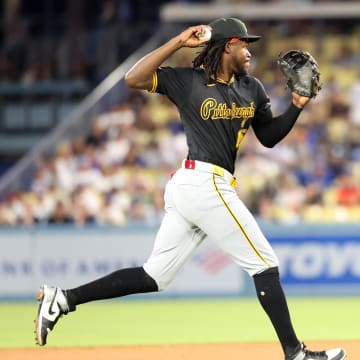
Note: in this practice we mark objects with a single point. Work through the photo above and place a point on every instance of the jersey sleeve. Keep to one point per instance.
(263, 112)
(173, 82)
(269, 129)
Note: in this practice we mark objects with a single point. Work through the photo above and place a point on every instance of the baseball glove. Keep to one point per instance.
(301, 71)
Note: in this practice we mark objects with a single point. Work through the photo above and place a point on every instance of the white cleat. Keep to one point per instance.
(304, 354)
(52, 305)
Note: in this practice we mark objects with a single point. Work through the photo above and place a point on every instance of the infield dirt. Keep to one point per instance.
(254, 351)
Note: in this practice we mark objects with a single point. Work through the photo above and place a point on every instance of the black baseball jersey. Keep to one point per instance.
(215, 116)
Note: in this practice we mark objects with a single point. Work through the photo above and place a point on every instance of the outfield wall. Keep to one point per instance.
(315, 260)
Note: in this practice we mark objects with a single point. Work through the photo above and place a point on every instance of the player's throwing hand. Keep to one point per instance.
(195, 36)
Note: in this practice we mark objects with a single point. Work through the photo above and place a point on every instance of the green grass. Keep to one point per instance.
(181, 321)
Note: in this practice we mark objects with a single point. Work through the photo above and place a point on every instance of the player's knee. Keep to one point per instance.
(149, 283)
(263, 269)
(161, 281)
(272, 271)
(162, 284)
(161, 287)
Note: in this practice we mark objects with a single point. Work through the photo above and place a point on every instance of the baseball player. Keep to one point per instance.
(218, 101)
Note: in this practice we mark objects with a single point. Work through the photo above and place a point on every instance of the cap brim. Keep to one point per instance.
(251, 38)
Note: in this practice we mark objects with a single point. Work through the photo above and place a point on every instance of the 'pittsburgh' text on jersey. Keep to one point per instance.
(210, 109)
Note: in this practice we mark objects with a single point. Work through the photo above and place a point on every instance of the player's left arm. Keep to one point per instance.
(270, 129)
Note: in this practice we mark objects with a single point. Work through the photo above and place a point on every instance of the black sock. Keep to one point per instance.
(119, 283)
(273, 301)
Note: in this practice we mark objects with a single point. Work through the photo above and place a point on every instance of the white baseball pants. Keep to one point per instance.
(200, 202)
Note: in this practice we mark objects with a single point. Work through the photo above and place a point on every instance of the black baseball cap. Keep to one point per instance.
(227, 28)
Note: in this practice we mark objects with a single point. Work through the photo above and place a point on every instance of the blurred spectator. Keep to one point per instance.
(65, 165)
(347, 190)
(354, 103)
(60, 215)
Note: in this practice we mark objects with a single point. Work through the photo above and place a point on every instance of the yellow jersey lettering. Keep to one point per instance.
(211, 109)
(207, 107)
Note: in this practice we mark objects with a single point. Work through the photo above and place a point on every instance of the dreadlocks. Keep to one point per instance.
(210, 58)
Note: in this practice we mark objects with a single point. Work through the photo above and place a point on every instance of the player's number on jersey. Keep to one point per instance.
(240, 135)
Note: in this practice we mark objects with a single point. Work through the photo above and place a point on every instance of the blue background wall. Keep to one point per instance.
(315, 260)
